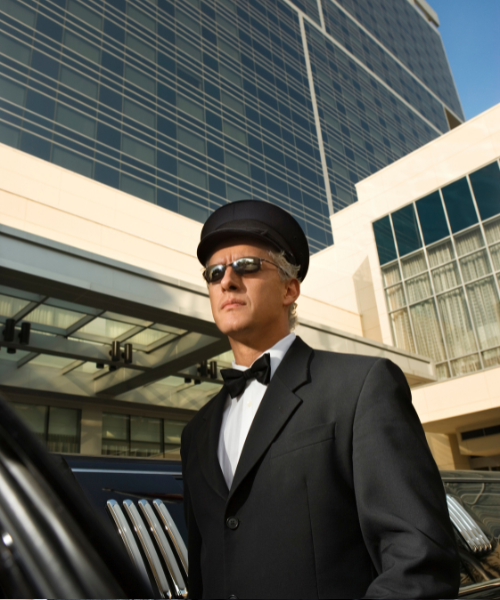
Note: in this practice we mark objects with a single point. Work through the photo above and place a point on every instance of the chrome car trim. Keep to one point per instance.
(473, 591)
(173, 533)
(149, 549)
(125, 472)
(127, 536)
(165, 548)
(467, 527)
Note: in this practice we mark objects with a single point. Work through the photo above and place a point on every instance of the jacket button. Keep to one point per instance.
(232, 523)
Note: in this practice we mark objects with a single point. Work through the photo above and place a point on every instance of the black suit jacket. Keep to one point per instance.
(336, 494)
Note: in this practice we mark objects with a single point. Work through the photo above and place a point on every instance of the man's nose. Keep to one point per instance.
(231, 279)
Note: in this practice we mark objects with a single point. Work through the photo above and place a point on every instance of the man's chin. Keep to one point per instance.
(235, 329)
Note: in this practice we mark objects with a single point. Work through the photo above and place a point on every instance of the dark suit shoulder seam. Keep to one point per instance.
(375, 363)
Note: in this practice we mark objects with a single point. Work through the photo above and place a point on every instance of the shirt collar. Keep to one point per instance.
(277, 352)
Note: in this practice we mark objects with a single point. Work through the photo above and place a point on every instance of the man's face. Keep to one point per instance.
(250, 304)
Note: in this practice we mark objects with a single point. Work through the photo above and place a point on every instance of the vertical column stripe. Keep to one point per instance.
(319, 134)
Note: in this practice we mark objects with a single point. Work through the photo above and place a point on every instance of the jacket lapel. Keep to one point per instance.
(277, 406)
(208, 442)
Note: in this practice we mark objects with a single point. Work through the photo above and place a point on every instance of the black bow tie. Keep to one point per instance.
(235, 380)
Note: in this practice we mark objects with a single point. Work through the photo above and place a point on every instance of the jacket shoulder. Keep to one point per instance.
(344, 360)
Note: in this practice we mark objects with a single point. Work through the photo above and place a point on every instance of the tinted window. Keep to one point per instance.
(486, 186)
(406, 230)
(385, 240)
(432, 219)
(459, 205)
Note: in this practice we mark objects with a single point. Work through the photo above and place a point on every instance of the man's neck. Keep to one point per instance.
(247, 351)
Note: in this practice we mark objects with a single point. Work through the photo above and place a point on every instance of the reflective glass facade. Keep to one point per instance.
(440, 260)
(129, 435)
(56, 427)
(190, 104)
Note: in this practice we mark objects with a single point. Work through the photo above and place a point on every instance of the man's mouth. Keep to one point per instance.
(232, 303)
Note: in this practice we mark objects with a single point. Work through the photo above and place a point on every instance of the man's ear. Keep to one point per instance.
(292, 291)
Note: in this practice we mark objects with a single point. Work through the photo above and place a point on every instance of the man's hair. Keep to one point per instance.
(287, 271)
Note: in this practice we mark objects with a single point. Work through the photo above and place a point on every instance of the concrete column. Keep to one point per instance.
(446, 453)
(91, 431)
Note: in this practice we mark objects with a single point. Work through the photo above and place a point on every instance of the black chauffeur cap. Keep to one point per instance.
(259, 220)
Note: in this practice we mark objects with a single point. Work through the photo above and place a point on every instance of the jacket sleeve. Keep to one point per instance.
(399, 494)
(195, 586)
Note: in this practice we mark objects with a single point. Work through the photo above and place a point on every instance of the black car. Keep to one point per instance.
(98, 527)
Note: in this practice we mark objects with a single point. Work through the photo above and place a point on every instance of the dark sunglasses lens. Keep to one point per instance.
(246, 265)
(215, 273)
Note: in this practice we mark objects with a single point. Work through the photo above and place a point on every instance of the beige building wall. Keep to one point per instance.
(343, 290)
(44, 199)
(352, 266)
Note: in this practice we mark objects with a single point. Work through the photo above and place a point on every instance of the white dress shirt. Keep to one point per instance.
(239, 412)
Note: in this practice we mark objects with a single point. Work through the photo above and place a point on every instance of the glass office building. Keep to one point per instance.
(440, 259)
(190, 104)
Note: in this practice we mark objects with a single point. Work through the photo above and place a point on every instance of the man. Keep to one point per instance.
(308, 475)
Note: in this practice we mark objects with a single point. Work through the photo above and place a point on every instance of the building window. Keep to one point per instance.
(57, 428)
(130, 435)
(444, 299)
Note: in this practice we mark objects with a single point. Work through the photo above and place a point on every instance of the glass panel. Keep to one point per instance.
(442, 371)
(440, 254)
(432, 218)
(475, 265)
(78, 44)
(115, 448)
(495, 256)
(53, 317)
(64, 430)
(169, 329)
(467, 242)
(418, 288)
(115, 426)
(485, 309)
(414, 265)
(10, 306)
(406, 230)
(384, 240)
(486, 186)
(456, 323)
(427, 332)
(446, 277)
(190, 107)
(54, 362)
(75, 120)
(391, 274)
(19, 355)
(395, 297)
(459, 205)
(491, 358)
(85, 14)
(105, 328)
(73, 162)
(194, 141)
(492, 230)
(35, 418)
(149, 336)
(172, 434)
(145, 429)
(402, 330)
(138, 149)
(145, 436)
(78, 82)
(467, 364)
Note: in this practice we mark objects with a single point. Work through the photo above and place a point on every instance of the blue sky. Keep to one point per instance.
(471, 34)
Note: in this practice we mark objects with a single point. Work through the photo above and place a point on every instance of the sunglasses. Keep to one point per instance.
(241, 266)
